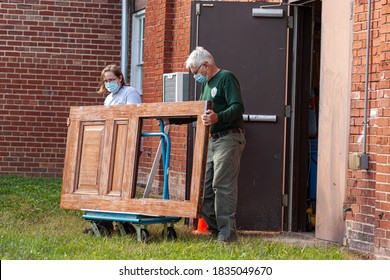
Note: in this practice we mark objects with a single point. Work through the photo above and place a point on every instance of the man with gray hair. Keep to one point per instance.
(226, 143)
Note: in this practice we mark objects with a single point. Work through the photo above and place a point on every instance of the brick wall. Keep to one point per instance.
(51, 55)
(368, 192)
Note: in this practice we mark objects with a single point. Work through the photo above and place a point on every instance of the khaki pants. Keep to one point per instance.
(220, 199)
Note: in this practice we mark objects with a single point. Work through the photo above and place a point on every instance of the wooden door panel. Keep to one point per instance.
(118, 158)
(101, 158)
(90, 148)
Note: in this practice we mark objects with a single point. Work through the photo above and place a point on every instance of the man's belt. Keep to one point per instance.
(220, 134)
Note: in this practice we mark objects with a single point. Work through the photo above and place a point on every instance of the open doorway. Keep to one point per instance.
(307, 40)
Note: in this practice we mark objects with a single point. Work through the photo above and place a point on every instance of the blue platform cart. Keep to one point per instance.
(105, 222)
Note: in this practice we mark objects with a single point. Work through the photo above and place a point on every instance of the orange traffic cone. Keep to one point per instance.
(202, 227)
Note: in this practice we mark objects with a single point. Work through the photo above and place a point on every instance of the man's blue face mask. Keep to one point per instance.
(200, 78)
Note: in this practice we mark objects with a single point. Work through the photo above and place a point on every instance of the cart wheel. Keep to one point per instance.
(129, 228)
(145, 236)
(106, 228)
(88, 230)
(171, 234)
(104, 231)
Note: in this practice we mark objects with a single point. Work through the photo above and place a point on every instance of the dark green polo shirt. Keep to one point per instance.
(224, 91)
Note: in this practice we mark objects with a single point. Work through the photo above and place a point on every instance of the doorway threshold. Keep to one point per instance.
(293, 238)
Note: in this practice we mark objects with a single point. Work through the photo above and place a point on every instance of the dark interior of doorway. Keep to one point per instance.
(306, 121)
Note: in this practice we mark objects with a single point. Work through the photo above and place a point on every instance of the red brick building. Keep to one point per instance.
(368, 191)
(52, 53)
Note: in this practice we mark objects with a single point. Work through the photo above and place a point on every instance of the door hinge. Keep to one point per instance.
(284, 200)
(290, 22)
(197, 9)
(287, 111)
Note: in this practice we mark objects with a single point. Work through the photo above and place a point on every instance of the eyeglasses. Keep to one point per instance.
(110, 80)
(197, 70)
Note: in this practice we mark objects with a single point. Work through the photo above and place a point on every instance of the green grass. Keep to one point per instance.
(33, 227)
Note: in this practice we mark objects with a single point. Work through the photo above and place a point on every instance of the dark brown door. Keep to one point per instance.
(254, 49)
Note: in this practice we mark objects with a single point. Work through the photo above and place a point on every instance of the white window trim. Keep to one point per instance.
(136, 45)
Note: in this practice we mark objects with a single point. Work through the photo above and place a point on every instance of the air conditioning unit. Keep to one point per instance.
(175, 87)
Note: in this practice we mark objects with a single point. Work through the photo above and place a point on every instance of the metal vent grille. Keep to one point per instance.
(175, 87)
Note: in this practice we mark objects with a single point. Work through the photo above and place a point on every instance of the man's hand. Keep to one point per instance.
(165, 121)
(209, 118)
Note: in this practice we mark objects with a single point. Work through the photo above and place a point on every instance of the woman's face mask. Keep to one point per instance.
(112, 86)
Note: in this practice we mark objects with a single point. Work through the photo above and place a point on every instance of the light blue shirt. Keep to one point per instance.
(126, 95)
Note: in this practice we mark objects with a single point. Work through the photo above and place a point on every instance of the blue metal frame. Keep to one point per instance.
(166, 152)
(137, 219)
